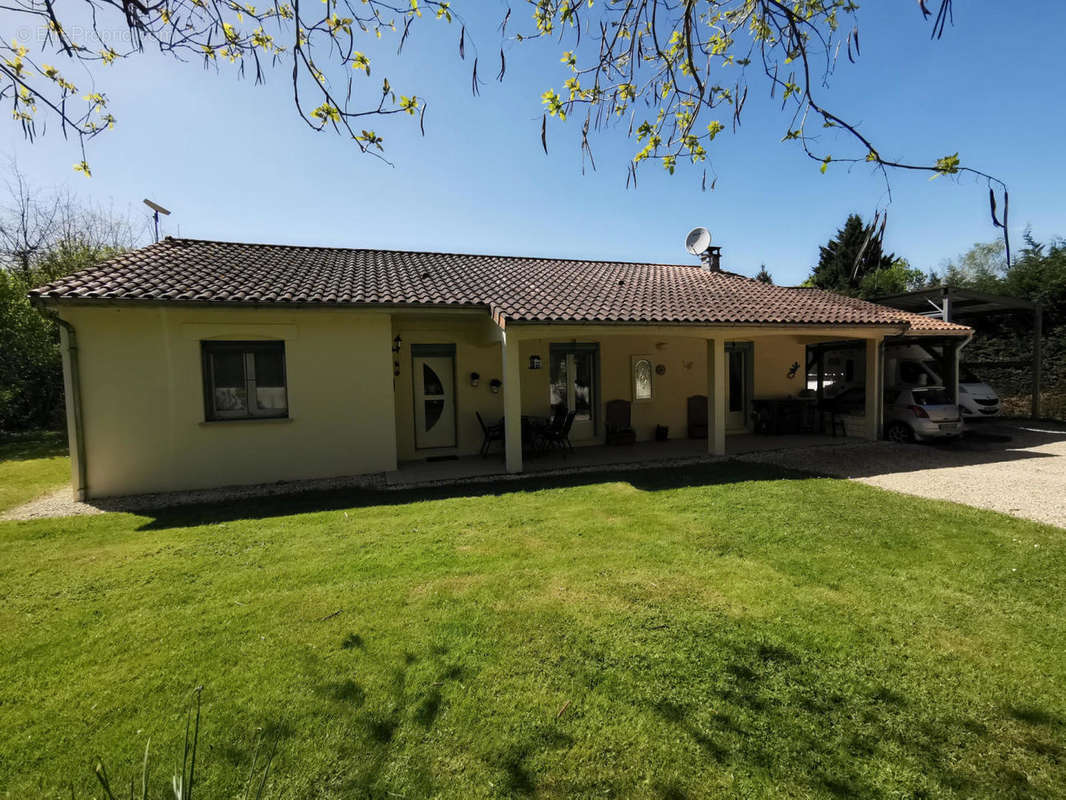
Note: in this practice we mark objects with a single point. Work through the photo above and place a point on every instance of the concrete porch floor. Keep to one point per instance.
(597, 457)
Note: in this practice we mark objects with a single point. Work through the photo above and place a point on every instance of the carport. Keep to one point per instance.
(951, 304)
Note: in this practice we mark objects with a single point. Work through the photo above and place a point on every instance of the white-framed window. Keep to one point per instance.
(643, 377)
(244, 380)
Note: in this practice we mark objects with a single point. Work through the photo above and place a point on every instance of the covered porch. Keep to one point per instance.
(626, 394)
(596, 458)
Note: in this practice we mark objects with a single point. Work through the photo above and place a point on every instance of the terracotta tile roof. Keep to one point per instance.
(513, 289)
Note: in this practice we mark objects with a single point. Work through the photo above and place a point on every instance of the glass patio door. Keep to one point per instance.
(572, 387)
(739, 386)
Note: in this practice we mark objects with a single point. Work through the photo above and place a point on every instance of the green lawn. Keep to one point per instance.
(727, 631)
(31, 465)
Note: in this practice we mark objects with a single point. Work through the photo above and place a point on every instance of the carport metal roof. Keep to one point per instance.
(948, 303)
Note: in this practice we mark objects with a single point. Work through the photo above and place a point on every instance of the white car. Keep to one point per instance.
(911, 366)
(976, 398)
(921, 413)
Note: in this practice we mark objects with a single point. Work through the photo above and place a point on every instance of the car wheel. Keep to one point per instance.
(899, 432)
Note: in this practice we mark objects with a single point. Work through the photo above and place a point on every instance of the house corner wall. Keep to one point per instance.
(143, 398)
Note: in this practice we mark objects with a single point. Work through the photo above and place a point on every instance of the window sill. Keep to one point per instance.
(211, 423)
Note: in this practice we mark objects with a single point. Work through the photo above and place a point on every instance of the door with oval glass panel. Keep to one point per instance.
(433, 376)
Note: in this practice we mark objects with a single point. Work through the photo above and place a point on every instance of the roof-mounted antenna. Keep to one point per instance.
(156, 211)
(698, 243)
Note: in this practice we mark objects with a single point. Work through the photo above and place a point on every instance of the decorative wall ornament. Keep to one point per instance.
(642, 371)
(495, 385)
(534, 362)
(396, 356)
(475, 379)
(660, 369)
(793, 370)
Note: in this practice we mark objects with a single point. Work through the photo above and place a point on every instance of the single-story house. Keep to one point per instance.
(196, 364)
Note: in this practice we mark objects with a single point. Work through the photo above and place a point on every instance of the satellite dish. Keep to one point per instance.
(156, 211)
(697, 241)
(156, 207)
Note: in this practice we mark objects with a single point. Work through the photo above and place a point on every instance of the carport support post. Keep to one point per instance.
(716, 396)
(1038, 334)
(874, 377)
(512, 403)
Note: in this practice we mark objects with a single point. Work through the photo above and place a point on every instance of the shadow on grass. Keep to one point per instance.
(649, 480)
(32, 445)
(380, 719)
(797, 719)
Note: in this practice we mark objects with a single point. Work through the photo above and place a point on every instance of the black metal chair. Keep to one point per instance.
(489, 434)
(559, 436)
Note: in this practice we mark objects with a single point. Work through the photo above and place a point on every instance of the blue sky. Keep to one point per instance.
(233, 161)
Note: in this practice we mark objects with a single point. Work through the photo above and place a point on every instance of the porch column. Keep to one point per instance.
(512, 403)
(716, 396)
(874, 391)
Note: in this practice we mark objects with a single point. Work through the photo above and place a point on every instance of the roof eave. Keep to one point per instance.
(103, 302)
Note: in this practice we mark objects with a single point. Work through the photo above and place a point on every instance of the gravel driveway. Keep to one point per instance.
(1015, 468)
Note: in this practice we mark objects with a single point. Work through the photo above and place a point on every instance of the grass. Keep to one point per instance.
(726, 631)
(31, 465)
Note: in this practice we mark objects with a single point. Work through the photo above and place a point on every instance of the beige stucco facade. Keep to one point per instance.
(351, 393)
(142, 396)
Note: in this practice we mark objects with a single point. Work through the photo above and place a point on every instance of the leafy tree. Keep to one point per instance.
(763, 276)
(897, 278)
(852, 255)
(982, 267)
(44, 236)
(31, 381)
(673, 75)
(1039, 275)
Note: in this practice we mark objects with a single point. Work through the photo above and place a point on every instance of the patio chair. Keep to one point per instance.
(619, 429)
(489, 434)
(697, 416)
(559, 436)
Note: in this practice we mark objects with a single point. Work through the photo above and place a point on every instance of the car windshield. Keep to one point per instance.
(965, 374)
(932, 367)
(932, 397)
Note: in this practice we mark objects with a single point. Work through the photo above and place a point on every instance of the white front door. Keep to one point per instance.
(434, 380)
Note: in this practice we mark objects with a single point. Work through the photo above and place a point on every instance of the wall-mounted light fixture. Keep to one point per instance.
(475, 379)
(396, 344)
(534, 362)
(495, 385)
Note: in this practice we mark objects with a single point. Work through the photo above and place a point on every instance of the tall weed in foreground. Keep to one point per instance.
(184, 778)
